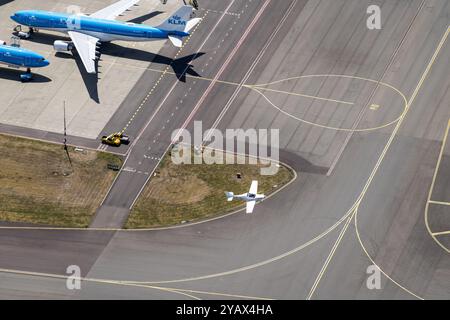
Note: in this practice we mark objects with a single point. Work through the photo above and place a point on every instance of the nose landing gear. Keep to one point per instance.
(27, 76)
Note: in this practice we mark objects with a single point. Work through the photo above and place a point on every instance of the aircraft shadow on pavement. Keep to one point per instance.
(181, 66)
(45, 38)
(13, 74)
(145, 17)
(90, 79)
(3, 2)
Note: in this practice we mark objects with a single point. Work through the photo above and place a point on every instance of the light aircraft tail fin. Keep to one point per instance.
(230, 196)
(178, 21)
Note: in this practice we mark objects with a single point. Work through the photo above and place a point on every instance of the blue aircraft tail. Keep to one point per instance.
(179, 24)
(178, 20)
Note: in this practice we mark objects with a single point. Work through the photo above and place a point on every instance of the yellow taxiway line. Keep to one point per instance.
(442, 203)
(186, 292)
(380, 160)
(430, 192)
(375, 264)
(442, 233)
(299, 95)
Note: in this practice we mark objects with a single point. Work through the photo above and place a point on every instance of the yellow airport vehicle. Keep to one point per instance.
(115, 139)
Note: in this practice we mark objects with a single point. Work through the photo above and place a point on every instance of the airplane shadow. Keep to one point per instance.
(145, 17)
(45, 38)
(14, 75)
(90, 80)
(181, 66)
(3, 2)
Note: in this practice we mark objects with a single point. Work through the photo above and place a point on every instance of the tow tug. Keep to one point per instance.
(116, 139)
(24, 34)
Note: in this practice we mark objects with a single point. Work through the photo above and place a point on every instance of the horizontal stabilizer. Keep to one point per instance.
(230, 196)
(191, 24)
(176, 41)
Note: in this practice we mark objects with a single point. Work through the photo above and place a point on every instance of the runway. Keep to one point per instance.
(363, 115)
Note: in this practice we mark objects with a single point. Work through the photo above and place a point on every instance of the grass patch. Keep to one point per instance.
(192, 192)
(38, 185)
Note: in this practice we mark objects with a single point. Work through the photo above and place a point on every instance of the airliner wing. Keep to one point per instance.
(113, 11)
(86, 46)
(250, 206)
(254, 187)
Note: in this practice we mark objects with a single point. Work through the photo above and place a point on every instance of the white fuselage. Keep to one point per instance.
(249, 197)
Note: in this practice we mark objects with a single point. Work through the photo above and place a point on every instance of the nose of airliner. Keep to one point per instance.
(16, 17)
(41, 62)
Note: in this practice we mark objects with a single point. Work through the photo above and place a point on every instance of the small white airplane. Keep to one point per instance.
(251, 197)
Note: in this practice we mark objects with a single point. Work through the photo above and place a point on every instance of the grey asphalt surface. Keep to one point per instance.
(287, 248)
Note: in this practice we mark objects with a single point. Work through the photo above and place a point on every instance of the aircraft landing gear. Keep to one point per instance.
(27, 76)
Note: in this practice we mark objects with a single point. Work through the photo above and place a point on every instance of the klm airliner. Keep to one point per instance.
(87, 32)
(17, 57)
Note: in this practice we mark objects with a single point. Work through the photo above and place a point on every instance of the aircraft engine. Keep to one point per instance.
(2, 43)
(62, 46)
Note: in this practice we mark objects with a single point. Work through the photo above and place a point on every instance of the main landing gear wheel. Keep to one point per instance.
(27, 76)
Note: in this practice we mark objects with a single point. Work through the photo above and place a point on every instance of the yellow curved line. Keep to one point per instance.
(286, 254)
(315, 76)
(442, 233)
(430, 192)
(374, 263)
(442, 203)
(93, 280)
(302, 95)
(330, 256)
(259, 264)
(186, 292)
(220, 294)
(409, 103)
(398, 125)
(257, 89)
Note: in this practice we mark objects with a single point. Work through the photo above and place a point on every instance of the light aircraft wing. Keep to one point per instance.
(250, 206)
(254, 187)
(86, 46)
(113, 11)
